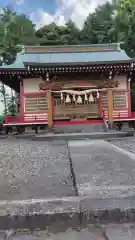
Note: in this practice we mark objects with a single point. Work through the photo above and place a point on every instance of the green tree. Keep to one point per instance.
(24, 30)
(58, 35)
(15, 29)
(125, 24)
(11, 106)
(99, 26)
(50, 34)
(8, 40)
(4, 95)
(72, 35)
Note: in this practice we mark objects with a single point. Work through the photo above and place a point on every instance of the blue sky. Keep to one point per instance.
(46, 11)
(28, 5)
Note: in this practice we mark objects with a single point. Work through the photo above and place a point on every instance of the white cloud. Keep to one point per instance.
(19, 2)
(76, 10)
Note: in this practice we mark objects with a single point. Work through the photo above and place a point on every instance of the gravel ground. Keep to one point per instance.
(125, 143)
(30, 169)
(100, 232)
(86, 234)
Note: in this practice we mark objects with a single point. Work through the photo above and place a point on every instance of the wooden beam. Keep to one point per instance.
(49, 100)
(110, 107)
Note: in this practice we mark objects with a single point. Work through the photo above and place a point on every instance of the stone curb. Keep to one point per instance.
(60, 214)
(3, 136)
(76, 136)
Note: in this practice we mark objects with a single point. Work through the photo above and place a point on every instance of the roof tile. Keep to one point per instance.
(109, 53)
(83, 57)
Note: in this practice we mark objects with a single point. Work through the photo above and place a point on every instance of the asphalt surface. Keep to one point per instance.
(30, 169)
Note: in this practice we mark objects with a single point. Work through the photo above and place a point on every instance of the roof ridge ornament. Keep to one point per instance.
(132, 65)
(118, 45)
(47, 77)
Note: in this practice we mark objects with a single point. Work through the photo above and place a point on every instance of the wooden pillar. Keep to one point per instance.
(49, 100)
(110, 107)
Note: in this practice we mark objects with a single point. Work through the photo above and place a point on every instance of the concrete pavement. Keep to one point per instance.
(102, 170)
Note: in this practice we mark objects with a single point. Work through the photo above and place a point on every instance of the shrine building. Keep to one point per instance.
(68, 85)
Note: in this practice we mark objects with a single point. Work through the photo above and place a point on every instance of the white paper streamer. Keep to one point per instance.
(97, 94)
(91, 99)
(68, 100)
(61, 95)
(79, 100)
(86, 97)
(74, 98)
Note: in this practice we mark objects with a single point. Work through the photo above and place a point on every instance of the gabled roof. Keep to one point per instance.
(55, 55)
(69, 58)
(68, 55)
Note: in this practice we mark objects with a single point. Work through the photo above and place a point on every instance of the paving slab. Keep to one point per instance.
(31, 170)
(120, 232)
(102, 169)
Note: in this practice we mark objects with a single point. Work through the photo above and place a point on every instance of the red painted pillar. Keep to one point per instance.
(21, 99)
(52, 108)
(129, 97)
(100, 112)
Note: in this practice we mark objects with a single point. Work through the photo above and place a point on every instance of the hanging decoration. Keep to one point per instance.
(74, 98)
(91, 99)
(47, 77)
(97, 95)
(61, 95)
(79, 100)
(68, 100)
(85, 97)
(79, 95)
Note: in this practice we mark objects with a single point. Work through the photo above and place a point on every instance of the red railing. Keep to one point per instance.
(22, 120)
(12, 119)
(121, 111)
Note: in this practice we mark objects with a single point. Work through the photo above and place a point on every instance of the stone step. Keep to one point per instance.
(76, 136)
(79, 128)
